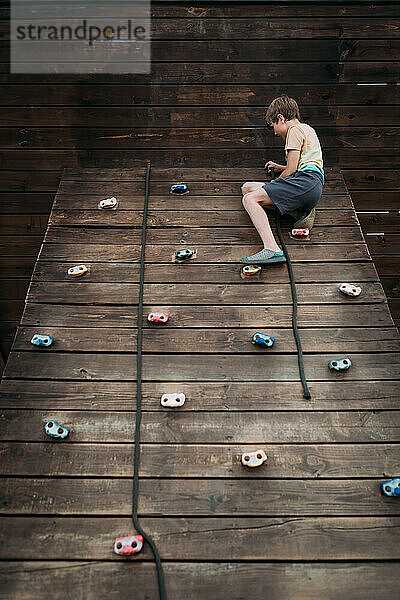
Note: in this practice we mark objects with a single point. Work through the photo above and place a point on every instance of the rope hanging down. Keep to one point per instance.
(136, 458)
(306, 391)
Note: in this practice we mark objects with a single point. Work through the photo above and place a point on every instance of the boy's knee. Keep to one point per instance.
(247, 187)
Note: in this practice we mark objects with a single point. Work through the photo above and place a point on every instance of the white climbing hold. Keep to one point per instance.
(300, 233)
(108, 203)
(254, 459)
(249, 270)
(349, 289)
(77, 271)
(173, 400)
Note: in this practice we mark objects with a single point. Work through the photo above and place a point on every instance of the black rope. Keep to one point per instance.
(136, 458)
(306, 391)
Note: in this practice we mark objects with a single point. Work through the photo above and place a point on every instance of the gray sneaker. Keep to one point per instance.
(306, 220)
(264, 257)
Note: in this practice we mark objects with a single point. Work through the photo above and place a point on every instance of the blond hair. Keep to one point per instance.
(285, 106)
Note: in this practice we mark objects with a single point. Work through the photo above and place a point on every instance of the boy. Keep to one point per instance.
(297, 190)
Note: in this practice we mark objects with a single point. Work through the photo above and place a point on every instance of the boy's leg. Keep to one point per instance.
(254, 197)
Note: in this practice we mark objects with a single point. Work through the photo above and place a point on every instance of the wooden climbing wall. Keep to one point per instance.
(310, 524)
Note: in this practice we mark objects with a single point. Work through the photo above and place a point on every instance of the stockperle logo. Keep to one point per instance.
(80, 37)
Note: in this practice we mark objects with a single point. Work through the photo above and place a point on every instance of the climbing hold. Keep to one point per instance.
(391, 488)
(158, 317)
(77, 271)
(108, 203)
(341, 364)
(126, 546)
(173, 400)
(179, 188)
(254, 459)
(262, 339)
(300, 233)
(184, 254)
(249, 270)
(42, 340)
(55, 430)
(349, 289)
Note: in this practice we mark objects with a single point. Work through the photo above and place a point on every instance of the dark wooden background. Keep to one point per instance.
(340, 61)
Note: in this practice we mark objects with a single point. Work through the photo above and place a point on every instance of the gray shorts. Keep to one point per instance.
(301, 190)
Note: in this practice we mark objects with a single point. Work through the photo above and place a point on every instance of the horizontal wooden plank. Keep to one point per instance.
(284, 72)
(303, 581)
(93, 339)
(13, 289)
(193, 271)
(383, 243)
(94, 111)
(11, 310)
(388, 265)
(23, 224)
(20, 245)
(194, 201)
(19, 167)
(391, 286)
(20, 176)
(380, 222)
(74, 315)
(197, 367)
(221, 181)
(215, 133)
(211, 253)
(117, 395)
(182, 218)
(242, 27)
(293, 461)
(191, 173)
(208, 136)
(13, 203)
(12, 267)
(195, 294)
(203, 497)
(183, 47)
(193, 235)
(40, 180)
(92, 91)
(370, 179)
(225, 10)
(375, 200)
(239, 538)
(188, 427)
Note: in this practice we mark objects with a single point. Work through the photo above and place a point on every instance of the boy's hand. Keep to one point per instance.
(272, 165)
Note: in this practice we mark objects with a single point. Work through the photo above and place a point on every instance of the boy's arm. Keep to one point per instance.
(293, 157)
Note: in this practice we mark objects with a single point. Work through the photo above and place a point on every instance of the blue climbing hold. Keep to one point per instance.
(340, 364)
(184, 254)
(55, 430)
(262, 339)
(42, 340)
(179, 188)
(391, 487)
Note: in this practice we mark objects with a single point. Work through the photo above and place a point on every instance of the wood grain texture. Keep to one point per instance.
(300, 462)
(317, 499)
(234, 538)
(203, 497)
(201, 396)
(197, 367)
(189, 427)
(303, 581)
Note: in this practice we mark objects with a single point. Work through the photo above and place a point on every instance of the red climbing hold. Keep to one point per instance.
(126, 546)
(156, 317)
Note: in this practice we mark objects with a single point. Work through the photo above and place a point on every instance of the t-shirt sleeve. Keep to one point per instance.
(294, 139)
